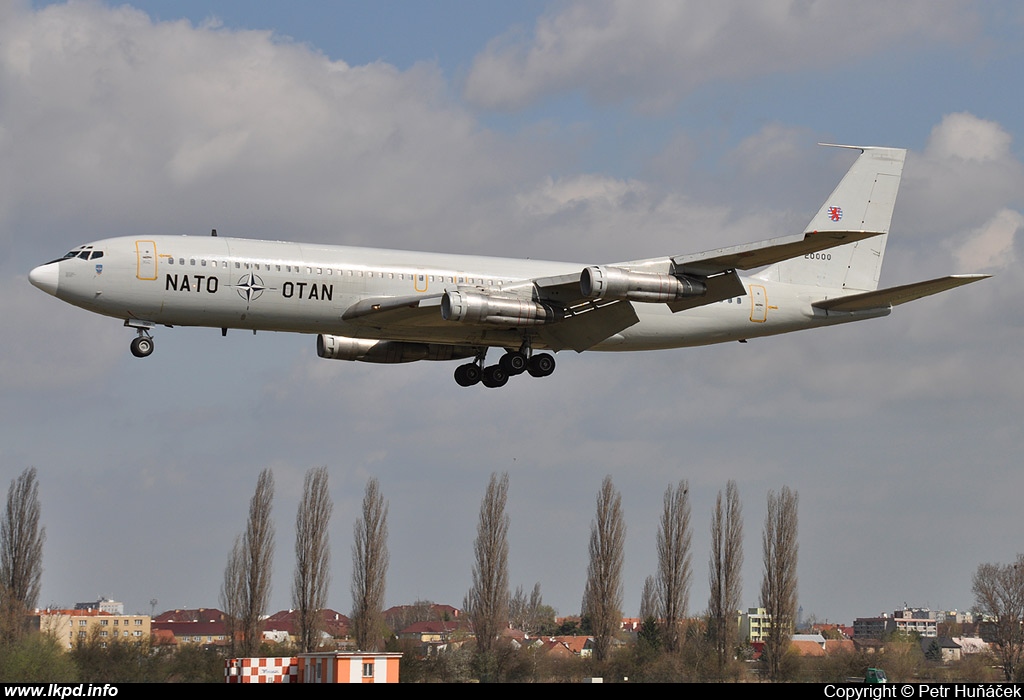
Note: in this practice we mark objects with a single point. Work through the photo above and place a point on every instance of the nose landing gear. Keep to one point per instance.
(142, 346)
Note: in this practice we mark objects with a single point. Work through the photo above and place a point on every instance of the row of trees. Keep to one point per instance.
(665, 597)
(998, 588)
(245, 592)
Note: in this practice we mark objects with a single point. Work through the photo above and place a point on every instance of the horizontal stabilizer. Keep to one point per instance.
(894, 296)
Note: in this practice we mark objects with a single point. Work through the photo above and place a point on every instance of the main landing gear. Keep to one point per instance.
(512, 363)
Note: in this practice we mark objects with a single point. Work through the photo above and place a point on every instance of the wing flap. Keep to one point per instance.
(894, 296)
(586, 329)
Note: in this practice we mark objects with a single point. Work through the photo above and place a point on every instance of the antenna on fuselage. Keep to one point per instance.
(213, 232)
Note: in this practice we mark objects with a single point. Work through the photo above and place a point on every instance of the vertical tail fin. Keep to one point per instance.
(863, 201)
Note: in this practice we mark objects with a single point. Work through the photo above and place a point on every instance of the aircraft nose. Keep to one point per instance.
(45, 277)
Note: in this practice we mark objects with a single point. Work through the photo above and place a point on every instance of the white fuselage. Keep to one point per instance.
(224, 282)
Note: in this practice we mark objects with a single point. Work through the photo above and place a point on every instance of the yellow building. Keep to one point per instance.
(70, 627)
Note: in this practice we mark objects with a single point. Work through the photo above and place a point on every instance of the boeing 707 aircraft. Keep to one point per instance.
(391, 306)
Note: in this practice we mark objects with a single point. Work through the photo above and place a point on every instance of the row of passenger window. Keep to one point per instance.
(297, 269)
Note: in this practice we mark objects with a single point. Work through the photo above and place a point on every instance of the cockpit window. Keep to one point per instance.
(83, 252)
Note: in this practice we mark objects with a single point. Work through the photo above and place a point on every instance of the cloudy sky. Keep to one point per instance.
(587, 131)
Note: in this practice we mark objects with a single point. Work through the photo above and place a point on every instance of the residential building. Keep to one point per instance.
(203, 626)
(103, 605)
(920, 621)
(755, 625)
(71, 627)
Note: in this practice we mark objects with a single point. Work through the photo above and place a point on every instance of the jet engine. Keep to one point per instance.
(339, 347)
(474, 307)
(604, 282)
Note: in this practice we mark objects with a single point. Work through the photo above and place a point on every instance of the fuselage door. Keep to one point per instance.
(145, 252)
(758, 304)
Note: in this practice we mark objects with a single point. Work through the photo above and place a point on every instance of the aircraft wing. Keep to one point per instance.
(753, 255)
(581, 323)
(378, 312)
(894, 296)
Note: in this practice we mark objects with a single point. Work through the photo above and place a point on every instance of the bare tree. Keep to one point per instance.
(778, 588)
(21, 553)
(246, 588)
(725, 571)
(525, 613)
(602, 597)
(369, 569)
(488, 598)
(312, 557)
(649, 600)
(674, 538)
(232, 597)
(999, 593)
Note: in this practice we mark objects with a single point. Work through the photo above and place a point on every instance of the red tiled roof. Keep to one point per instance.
(190, 615)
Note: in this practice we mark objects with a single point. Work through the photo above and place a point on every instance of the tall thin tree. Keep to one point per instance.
(779, 586)
(312, 557)
(21, 553)
(369, 569)
(254, 562)
(232, 596)
(602, 597)
(724, 574)
(488, 598)
(674, 539)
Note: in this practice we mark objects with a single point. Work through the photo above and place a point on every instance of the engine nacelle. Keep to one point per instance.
(340, 347)
(474, 307)
(604, 282)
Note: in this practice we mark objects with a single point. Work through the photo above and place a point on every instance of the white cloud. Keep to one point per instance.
(112, 121)
(655, 52)
(967, 137)
(991, 245)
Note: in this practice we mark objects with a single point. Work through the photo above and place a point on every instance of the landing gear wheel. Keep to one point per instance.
(142, 346)
(468, 374)
(495, 376)
(541, 365)
(513, 362)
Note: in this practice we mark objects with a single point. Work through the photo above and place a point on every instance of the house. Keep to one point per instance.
(942, 649)
(202, 626)
(283, 627)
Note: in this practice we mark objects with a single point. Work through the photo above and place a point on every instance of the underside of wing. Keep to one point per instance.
(405, 311)
(587, 327)
(551, 310)
(894, 296)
